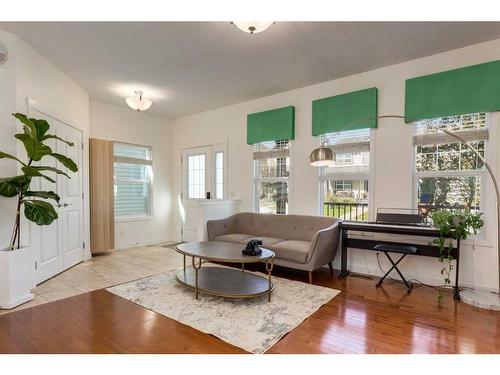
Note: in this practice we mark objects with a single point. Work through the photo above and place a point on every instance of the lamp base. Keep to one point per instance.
(481, 299)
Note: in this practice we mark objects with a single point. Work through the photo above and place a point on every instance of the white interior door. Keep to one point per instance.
(196, 185)
(61, 243)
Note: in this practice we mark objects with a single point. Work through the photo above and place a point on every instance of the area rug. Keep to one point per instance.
(251, 324)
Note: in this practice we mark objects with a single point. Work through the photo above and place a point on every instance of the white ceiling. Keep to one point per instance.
(190, 67)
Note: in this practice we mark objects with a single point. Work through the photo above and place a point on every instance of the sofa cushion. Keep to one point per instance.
(234, 237)
(266, 241)
(289, 227)
(294, 250)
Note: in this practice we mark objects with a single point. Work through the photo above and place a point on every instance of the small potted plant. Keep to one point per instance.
(16, 262)
(452, 225)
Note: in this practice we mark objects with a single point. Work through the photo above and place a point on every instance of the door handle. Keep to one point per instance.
(64, 205)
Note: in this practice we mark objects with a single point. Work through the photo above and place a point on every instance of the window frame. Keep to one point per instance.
(371, 177)
(289, 179)
(484, 237)
(150, 214)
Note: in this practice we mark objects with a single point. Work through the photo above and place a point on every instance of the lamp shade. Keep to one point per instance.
(321, 157)
(137, 102)
(252, 27)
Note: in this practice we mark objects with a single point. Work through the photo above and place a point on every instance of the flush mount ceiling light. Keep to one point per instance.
(252, 27)
(138, 102)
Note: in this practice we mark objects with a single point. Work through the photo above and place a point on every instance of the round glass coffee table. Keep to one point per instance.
(223, 281)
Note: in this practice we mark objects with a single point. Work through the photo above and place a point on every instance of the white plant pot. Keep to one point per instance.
(16, 277)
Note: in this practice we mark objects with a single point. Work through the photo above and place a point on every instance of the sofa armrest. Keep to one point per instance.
(324, 245)
(219, 227)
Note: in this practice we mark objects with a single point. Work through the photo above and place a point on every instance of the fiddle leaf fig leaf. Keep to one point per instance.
(8, 156)
(33, 172)
(67, 162)
(43, 194)
(41, 127)
(39, 212)
(51, 169)
(34, 149)
(28, 126)
(11, 186)
(52, 136)
(6, 189)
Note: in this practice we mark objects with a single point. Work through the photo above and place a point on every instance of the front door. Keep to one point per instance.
(196, 185)
(61, 243)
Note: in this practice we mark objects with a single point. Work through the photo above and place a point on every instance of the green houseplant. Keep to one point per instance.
(37, 207)
(452, 225)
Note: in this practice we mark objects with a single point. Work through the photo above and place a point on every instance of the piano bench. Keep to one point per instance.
(400, 249)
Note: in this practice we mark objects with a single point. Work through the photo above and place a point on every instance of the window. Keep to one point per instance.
(219, 175)
(271, 176)
(133, 175)
(196, 176)
(344, 186)
(447, 174)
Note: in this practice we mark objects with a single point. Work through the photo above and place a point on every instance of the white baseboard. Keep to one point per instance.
(140, 243)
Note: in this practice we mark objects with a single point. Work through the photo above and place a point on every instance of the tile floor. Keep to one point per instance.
(103, 271)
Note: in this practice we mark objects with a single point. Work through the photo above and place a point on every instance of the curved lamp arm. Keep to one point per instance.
(497, 190)
(320, 153)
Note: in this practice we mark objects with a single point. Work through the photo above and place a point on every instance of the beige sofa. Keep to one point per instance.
(301, 242)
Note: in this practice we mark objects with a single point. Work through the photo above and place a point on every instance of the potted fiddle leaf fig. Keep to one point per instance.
(16, 262)
(452, 225)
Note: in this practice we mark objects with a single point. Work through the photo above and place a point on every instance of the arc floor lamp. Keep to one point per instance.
(323, 156)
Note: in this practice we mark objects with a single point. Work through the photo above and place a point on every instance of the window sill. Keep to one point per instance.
(135, 218)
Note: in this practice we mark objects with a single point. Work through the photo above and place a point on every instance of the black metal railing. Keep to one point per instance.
(346, 211)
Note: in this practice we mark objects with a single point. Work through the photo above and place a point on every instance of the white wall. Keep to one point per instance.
(393, 156)
(121, 124)
(30, 75)
(7, 129)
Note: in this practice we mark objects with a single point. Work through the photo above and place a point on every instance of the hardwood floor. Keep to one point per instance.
(361, 319)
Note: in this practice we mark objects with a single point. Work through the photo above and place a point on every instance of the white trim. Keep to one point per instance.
(289, 179)
(370, 176)
(135, 161)
(486, 237)
(32, 105)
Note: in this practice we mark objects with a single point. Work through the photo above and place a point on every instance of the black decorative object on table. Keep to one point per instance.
(253, 248)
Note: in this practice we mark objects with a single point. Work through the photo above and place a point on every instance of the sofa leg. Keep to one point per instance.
(330, 265)
(310, 277)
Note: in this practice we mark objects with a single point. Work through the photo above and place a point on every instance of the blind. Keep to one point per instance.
(132, 180)
(471, 127)
(333, 114)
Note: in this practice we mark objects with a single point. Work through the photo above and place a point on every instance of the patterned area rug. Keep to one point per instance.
(251, 324)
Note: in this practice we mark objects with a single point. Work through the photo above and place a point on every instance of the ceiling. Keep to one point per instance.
(190, 67)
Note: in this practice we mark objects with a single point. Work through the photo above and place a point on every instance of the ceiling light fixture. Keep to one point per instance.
(252, 27)
(137, 102)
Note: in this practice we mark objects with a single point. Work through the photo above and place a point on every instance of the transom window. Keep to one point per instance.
(447, 174)
(133, 176)
(271, 176)
(344, 186)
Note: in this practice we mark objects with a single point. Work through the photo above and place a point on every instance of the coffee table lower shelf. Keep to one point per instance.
(225, 282)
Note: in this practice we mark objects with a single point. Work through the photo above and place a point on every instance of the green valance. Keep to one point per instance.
(336, 112)
(272, 125)
(455, 92)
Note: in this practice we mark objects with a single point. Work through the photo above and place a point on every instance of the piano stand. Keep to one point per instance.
(370, 244)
